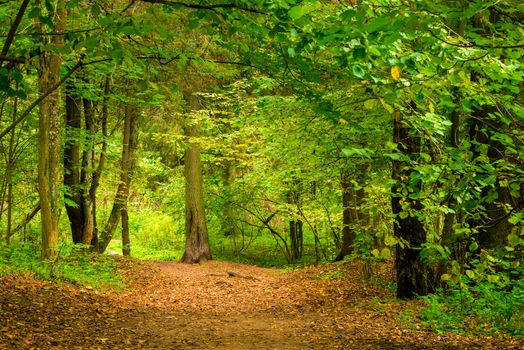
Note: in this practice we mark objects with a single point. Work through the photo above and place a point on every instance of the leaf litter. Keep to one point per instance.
(221, 305)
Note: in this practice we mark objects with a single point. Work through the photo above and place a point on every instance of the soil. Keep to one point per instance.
(220, 305)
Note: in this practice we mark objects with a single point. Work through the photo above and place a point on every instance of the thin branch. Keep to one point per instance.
(41, 98)
(12, 59)
(476, 45)
(14, 27)
(27, 219)
(204, 7)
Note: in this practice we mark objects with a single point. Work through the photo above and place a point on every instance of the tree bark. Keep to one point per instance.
(349, 217)
(413, 276)
(49, 138)
(197, 247)
(126, 166)
(72, 163)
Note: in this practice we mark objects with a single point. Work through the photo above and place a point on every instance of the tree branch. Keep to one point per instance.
(204, 7)
(476, 45)
(14, 27)
(12, 59)
(41, 98)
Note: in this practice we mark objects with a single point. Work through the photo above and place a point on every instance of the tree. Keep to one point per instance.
(197, 242)
(49, 134)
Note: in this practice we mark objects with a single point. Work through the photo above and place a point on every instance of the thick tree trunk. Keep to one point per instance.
(413, 276)
(197, 243)
(49, 139)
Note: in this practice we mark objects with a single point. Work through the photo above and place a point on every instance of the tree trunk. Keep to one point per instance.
(72, 164)
(49, 138)
(122, 193)
(10, 167)
(349, 217)
(413, 276)
(197, 243)
(88, 203)
(295, 227)
(127, 165)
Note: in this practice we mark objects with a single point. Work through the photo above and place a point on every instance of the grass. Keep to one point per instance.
(73, 265)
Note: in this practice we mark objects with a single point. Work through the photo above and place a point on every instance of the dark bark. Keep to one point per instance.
(72, 164)
(413, 276)
(493, 229)
(349, 217)
(296, 236)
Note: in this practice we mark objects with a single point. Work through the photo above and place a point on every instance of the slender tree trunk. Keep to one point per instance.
(9, 175)
(197, 247)
(126, 165)
(413, 276)
(88, 203)
(49, 138)
(97, 174)
(349, 217)
(72, 163)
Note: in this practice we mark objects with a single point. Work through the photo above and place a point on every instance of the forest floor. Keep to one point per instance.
(220, 305)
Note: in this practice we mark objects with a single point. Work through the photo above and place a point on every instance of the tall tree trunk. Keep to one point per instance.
(413, 276)
(10, 165)
(197, 247)
(49, 138)
(97, 174)
(126, 165)
(88, 203)
(72, 163)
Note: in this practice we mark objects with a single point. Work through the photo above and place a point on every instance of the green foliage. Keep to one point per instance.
(75, 264)
(484, 307)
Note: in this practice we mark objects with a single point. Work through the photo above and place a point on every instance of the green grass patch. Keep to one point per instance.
(74, 264)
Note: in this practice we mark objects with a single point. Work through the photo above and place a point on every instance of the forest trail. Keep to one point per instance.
(218, 305)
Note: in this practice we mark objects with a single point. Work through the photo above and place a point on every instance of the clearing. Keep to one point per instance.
(219, 305)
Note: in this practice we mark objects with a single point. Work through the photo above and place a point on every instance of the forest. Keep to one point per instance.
(351, 170)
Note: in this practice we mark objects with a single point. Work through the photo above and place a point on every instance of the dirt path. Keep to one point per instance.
(217, 305)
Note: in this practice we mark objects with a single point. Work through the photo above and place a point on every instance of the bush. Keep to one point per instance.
(484, 307)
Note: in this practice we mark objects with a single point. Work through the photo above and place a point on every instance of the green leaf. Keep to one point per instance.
(291, 52)
(359, 52)
(514, 240)
(385, 253)
(358, 71)
(296, 12)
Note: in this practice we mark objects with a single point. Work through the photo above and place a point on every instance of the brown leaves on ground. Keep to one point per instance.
(219, 305)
